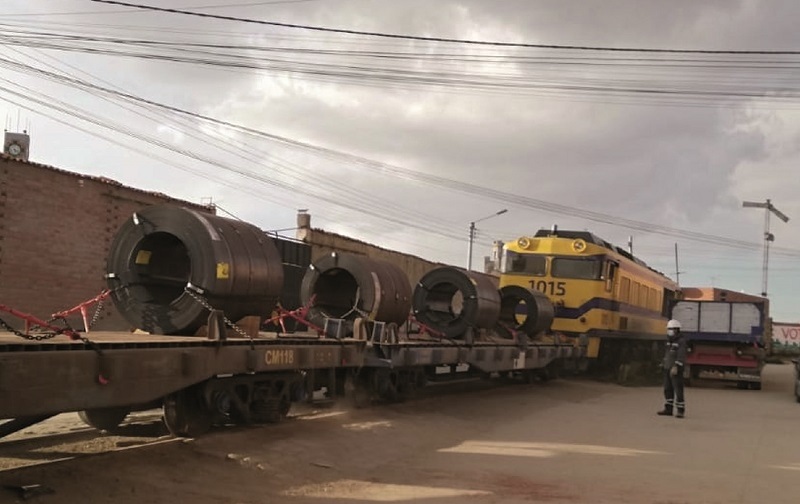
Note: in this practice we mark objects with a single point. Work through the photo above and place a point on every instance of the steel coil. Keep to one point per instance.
(450, 300)
(525, 310)
(162, 249)
(347, 286)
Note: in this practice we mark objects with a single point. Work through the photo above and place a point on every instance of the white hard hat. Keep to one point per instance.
(673, 324)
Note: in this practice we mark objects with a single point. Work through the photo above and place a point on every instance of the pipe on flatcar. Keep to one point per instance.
(347, 286)
(525, 310)
(451, 300)
(162, 249)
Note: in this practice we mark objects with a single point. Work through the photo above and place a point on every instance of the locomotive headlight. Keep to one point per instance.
(579, 246)
(523, 243)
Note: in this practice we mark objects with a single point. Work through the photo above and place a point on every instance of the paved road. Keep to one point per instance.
(565, 441)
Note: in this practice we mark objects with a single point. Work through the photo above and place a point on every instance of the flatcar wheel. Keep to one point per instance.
(107, 419)
(185, 413)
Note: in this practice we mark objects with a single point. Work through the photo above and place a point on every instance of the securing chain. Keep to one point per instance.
(29, 337)
(97, 313)
(194, 293)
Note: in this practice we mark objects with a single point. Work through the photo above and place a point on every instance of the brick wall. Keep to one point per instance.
(55, 231)
(56, 228)
(323, 243)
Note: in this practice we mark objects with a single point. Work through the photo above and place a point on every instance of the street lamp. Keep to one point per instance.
(768, 237)
(472, 234)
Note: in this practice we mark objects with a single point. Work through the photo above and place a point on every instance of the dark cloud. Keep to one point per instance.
(686, 165)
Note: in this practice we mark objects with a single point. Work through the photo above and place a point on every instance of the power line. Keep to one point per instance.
(223, 6)
(435, 39)
(421, 177)
(615, 88)
(501, 196)
(712, 79)
(351, 199)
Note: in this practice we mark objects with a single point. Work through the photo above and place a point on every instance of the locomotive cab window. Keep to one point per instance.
(523, 264)
(586, 269)
(610, 273)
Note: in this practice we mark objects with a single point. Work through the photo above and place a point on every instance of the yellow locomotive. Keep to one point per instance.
(600, 292)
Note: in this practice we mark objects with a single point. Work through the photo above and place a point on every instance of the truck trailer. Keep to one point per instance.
(726, 334)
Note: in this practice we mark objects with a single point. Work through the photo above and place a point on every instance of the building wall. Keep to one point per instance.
(56, 228)
(786, 338)
(55, 231)
(323, 243)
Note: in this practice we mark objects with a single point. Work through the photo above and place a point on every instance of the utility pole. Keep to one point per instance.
(768, 237)
(472, 234)
(677, 271)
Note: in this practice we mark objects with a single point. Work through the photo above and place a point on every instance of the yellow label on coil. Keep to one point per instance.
(143, 257)
(223, 271)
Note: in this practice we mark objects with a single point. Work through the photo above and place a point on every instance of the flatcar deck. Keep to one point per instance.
(119, 340)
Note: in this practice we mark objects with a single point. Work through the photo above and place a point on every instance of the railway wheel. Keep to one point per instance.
(105, 419)
(186, 414)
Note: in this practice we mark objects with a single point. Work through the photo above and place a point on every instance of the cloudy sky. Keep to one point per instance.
(403, 142)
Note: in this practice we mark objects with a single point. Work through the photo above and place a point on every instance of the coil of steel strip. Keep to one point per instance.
(350, 286)
(533, 307)
(450, 300)
(161, 249)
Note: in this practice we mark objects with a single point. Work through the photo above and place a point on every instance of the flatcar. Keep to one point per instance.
(601, 293)
(200, 289)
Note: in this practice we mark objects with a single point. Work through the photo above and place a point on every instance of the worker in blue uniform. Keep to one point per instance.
(674, 361)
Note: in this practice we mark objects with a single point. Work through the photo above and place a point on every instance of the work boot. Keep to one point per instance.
(679, 414)
(665, 412)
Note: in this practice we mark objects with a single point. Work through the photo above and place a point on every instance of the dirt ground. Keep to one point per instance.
(571, 441)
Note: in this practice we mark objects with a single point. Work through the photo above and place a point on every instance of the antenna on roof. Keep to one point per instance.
(677, 271)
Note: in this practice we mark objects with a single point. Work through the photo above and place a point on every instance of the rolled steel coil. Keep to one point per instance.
(450, 300)
(162, 249)
(525, 310)
(349, 286)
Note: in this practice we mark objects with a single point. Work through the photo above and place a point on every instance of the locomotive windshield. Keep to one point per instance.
(583, 268)
(523, 264)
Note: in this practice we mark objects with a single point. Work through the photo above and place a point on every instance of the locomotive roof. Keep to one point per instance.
(592, 238)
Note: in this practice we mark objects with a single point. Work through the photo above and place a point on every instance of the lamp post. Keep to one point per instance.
(768, 237)
(472, 234)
